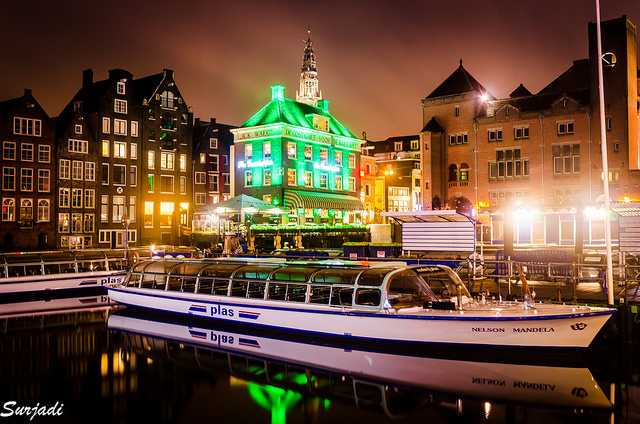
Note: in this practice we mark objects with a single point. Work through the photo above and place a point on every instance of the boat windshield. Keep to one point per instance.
(407, 289)
(440, 282)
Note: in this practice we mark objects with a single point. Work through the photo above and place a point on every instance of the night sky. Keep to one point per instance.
(376, 60)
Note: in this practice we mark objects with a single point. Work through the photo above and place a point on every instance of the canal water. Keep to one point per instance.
(97, 363)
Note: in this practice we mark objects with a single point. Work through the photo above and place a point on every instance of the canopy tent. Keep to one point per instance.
(295, 199)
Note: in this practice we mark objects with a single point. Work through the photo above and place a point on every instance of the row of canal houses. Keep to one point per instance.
(125, 161)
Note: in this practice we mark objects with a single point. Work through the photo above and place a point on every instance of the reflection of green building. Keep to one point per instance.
(301, 158)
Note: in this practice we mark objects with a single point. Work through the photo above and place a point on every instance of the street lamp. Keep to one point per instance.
(605, 162)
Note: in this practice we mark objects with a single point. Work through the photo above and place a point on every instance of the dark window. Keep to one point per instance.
(342, 296)
(277, 291)
(373, 277)
(239, 288)
(296, 293)
(407, 289)
(256, 290)
(320, 294)
(368, 297)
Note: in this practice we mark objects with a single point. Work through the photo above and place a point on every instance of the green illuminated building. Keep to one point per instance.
(300, 158)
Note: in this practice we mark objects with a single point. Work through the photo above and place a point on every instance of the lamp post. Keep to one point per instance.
(605, 163)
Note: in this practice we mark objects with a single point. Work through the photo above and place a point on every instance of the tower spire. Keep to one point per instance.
(309, 91)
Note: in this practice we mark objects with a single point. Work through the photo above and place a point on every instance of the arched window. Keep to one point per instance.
(43, 210)
(166, 99)
(26, 210)
(9, 209)
(464, 172)
(453, 172)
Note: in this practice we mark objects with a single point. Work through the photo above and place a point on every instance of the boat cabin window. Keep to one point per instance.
(373, 277)
(336, 276)
(407, 289)
(155, 274)
(342, 296)
(368, 297)
(214, 279)
(182, 277)
(320, 295)
(253, 273)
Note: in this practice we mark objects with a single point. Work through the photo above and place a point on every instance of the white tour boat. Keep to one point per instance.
(372, 302)
(563, 386)
(23, 274)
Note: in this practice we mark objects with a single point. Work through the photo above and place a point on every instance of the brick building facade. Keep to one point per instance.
(28, 175)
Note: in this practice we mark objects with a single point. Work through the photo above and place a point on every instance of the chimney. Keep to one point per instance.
(212, 120)
(87, 78)
(27, 92)
(168, 72)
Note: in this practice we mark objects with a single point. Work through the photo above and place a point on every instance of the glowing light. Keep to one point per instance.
(591, 212)
(484, 97)
(167, 208)
(255, 164)
(626, 199)
(184, 206)
(487, 409)
(250, 210)
(277, 92)
(524, 215)
(324, 167)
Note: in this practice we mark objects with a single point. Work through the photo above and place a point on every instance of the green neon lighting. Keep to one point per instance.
(284, 110)
(274, 399)
(277, 92)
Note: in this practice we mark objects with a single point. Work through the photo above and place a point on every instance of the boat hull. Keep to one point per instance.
(71, 281)
(574, 330)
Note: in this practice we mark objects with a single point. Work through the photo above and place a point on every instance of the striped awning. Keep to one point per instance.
(296, 199)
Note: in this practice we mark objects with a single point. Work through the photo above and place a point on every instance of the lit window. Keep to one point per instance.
(104, 208)
(183, 185)
(308, 179)
(308, 152)
(323, 181)
(150, 183)
(203, 158)
(89, 198)
(201, 178)
(338, 158)
(106, 125)
(120, 127)
(352, 161)
(213, 143)
(44, 210)
(64, 197)
(63, 222)
(65, 169)
(90, 171)
(26, 210)
(397, 146)
(324, 156)
(120, 106)
(167, 160)
(183, 162)
(133, 151)
(292, 150)
(78, 146)
(148, 214)
(151, 159)
(352, 184)
(248, 152)
(248, 178)
(266, 150)
(291, 177)
(119, 150)
(77, 166)
(26, 179)
(8, 210)
(105, 148)
(117, 208)
(120, 87)
(166, 99)
(338, 182)
(76, 198)
(267, 177)
(166, 213)
(78, 129)
(134, 128)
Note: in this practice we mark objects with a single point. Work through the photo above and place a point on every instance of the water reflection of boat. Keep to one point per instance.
(374, 302)
(50, 306)
(542, 385)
